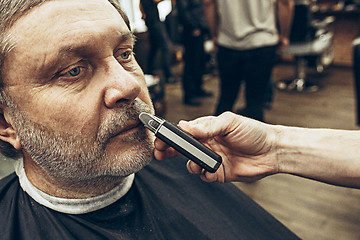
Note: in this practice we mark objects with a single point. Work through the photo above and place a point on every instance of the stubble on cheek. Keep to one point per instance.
(135, 151)
(74, 157)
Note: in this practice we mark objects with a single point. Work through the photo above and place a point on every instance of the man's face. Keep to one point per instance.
(78, 90)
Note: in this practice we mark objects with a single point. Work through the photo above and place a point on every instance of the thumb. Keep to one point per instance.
(204, 127)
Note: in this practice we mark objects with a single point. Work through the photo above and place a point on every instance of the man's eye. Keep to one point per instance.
(125, 55)
(74, 72)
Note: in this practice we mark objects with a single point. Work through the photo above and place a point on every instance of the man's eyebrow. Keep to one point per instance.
(128, 37)
(83, 50)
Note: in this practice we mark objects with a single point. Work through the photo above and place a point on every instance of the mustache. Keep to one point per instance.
(120, 118)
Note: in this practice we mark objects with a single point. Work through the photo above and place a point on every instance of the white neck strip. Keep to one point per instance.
(72, 206)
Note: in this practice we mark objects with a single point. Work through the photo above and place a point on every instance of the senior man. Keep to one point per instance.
(71, 92)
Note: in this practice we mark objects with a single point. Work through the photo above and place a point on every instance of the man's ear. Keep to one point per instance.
(7, 131)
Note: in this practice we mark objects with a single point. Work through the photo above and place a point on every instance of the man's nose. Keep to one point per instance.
(121, 85)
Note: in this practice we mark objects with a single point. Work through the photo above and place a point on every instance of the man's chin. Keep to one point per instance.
(128, 157)
(126, 164)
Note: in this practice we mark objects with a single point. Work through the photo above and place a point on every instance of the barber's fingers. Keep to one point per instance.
(162, 155)
(160, 145)
(209, 126)
(162, 150)
(200, 128)
(193, 168)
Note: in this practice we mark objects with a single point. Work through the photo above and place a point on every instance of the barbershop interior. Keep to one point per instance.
(315, 83)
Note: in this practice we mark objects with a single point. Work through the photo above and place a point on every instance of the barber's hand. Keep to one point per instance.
(245, 146)
(196, 32)
(284, 42)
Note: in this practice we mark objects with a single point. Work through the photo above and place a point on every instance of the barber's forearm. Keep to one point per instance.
(212, 17)
(331, 156)
(285, 9)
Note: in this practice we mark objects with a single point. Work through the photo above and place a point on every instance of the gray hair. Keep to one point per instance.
(10, 12)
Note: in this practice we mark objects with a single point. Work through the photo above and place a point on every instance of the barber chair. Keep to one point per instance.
(356, 71)
(310, 45)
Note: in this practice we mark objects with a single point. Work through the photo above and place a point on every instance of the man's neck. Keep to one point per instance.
(68, 201)
(67, 188)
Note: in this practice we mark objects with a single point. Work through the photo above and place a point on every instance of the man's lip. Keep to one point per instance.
(128, 128)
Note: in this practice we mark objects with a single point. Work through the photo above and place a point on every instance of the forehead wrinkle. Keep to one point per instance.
(8, 43)
(83, 47)
(73, 45)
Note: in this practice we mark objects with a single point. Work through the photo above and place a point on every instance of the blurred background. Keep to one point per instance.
(315, 84)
